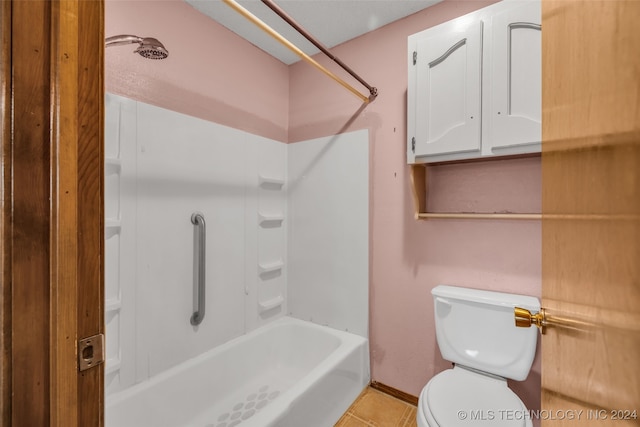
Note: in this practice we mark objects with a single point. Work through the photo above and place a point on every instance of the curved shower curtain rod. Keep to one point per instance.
(373, 92)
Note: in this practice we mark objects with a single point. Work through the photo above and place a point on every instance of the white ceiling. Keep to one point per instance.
(330, 21)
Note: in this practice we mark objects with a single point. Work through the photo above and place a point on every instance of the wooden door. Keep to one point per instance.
(591, 211)
(52, 208)
(448, 89)
(516, 77)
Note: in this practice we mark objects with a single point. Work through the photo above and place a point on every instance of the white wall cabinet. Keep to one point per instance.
(474, 85)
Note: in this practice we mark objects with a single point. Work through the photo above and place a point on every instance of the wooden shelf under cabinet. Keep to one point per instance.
(419, 188)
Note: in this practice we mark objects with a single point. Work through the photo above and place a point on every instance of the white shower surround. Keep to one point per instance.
(310, 263)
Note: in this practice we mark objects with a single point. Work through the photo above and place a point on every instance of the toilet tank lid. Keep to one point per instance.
(486, 297)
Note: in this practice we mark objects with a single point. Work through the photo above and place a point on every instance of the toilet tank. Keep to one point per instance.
(476, 328)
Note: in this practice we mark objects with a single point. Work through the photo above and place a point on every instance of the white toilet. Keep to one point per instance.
(476, 331)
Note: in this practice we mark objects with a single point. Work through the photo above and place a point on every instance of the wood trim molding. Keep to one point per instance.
(30, 221)
(64, 213)
(90, 176)
(52, 210)
(398, 394)
(5, 215)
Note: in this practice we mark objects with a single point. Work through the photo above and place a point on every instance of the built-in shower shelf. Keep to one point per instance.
(111, 305)
(271, 303)
(270, 219)
(111, 366)
(264, 268)
(112, 166)
(271, 182)
(111, 228)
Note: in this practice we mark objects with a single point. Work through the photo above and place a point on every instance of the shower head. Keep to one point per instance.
(149, 48)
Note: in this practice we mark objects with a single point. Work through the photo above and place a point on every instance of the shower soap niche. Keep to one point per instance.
(267, 220)
(271, 303)
(112, 305)
(270, 183)
(111, 228)
(112, 366)
(112, 166)
(270, 267)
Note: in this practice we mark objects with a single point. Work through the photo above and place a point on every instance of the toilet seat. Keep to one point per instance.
(460, 397)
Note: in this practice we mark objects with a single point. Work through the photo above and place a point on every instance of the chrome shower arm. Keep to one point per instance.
(122, 40)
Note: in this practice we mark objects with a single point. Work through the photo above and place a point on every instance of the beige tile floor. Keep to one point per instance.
(376, 409)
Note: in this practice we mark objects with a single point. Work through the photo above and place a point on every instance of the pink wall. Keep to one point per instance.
(210, 73)
(215, 75)
(409, 258)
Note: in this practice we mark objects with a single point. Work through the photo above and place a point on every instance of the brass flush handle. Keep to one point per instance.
(525, 319)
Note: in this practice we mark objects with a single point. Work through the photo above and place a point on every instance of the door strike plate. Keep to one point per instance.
(90, 352)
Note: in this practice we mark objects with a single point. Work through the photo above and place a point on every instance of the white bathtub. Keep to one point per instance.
(289, 373)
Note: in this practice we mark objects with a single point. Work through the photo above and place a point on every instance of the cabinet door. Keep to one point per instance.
(516, 79)
(448, 82)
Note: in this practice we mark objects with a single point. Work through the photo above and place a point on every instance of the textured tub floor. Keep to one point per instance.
(376, 409)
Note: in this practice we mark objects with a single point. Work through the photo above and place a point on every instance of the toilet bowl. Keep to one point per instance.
(461, 397)
(475, 330)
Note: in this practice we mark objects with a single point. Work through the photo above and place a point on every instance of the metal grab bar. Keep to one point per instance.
(200, 234)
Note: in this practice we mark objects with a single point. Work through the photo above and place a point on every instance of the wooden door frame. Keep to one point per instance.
(51, 218)
(5, 214)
